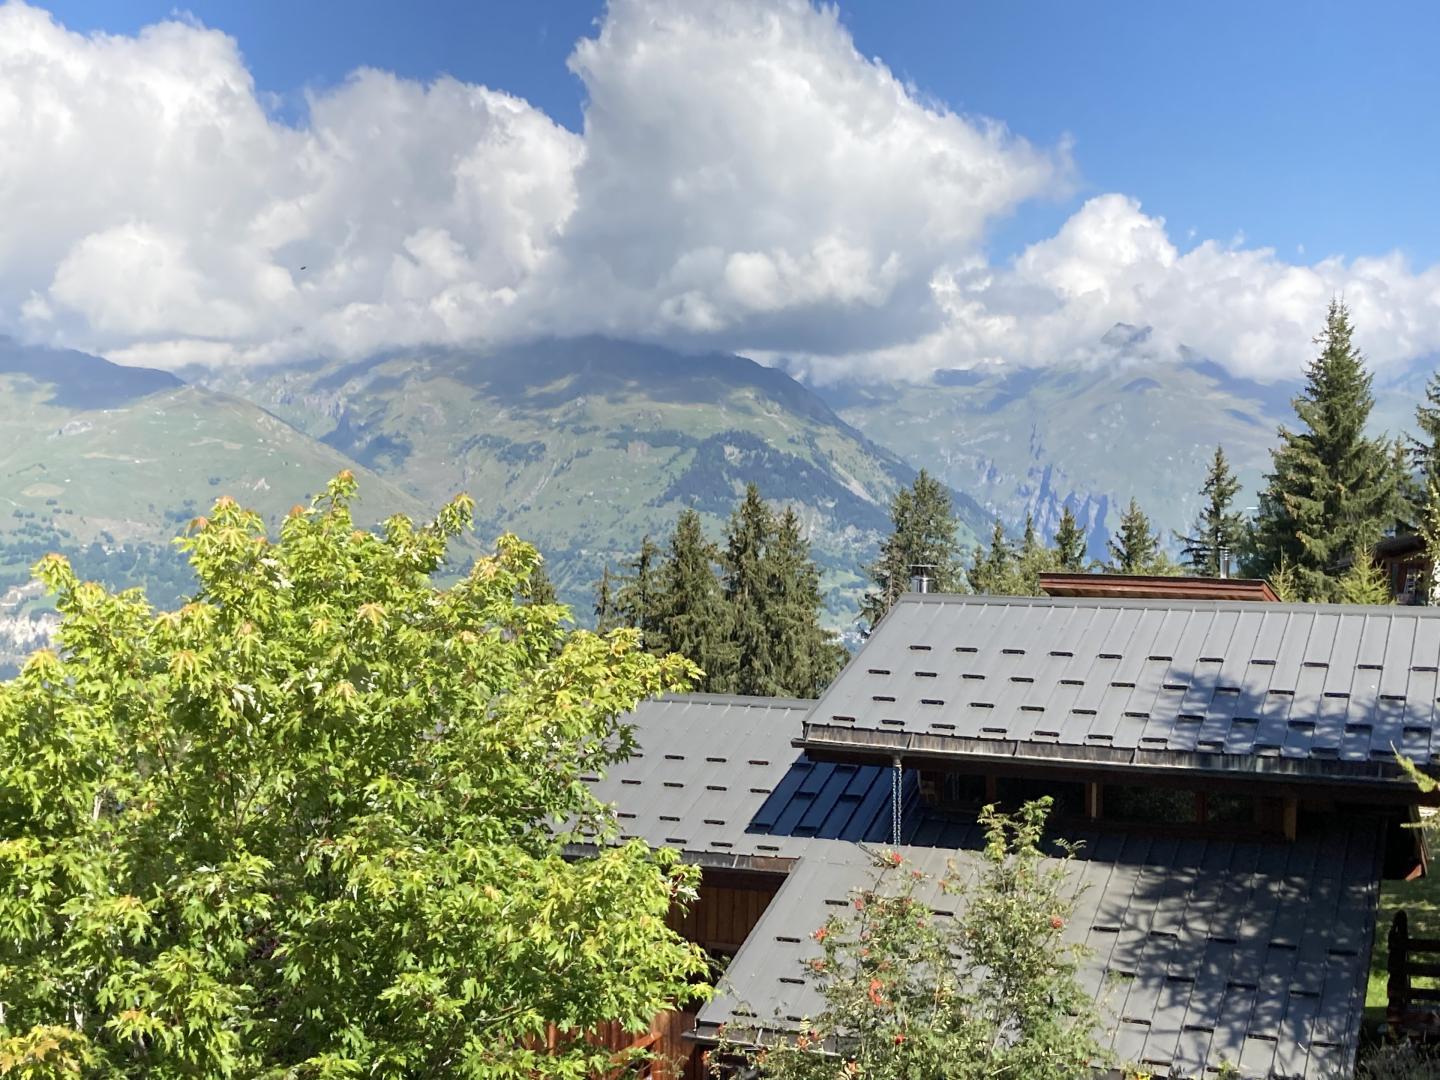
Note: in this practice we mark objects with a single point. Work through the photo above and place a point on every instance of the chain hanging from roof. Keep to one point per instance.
(896, 775)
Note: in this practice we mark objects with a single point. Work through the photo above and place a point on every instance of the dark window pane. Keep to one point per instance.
(1161, 806)
(1069, 798)
(1230, 809)
(962, 790)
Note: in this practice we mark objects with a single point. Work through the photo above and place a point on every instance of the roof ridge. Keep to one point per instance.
(1166, 604)
(748, 701)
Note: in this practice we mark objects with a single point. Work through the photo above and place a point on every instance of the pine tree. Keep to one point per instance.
(607, 616)
(637, 600)
(1282, 583)
(1363, 582)
(1332, 490)
(807, 656)
(1069, 544)
(747, 594)
(1430, 531)
(1135, 548)
(540, 589)
(1218, 531)
(692, 614)
(1425, 450)
(923, 529)
(990, 570)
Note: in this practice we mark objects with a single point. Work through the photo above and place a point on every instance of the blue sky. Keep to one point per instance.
(1314, 125)
(881, 189)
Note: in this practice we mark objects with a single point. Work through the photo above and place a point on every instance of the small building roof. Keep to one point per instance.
(1158, 587)
(1322, 691)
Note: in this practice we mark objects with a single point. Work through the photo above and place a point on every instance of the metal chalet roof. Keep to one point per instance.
(717, 778)
(1329, 690)
(1204, 950)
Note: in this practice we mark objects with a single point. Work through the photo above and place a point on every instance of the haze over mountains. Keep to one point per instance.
(585, 445)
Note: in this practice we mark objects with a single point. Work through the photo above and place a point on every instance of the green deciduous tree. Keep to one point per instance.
(306, 825)
(1332, 489)
(923, 534)
(1069, 544)
(694, 619)
(1218, 531)
(1135, 547)
(992, 992)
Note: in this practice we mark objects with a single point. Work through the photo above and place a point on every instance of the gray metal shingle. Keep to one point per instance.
(1296, 683)
(1196, 953)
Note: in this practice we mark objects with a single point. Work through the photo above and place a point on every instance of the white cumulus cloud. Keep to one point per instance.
(745, 180)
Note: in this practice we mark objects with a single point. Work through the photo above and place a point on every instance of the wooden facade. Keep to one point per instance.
(727, 909)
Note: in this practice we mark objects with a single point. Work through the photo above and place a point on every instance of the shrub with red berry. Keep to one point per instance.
(910, 991)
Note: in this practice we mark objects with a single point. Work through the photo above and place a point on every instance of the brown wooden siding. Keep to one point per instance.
(719, 921)
(723, 916)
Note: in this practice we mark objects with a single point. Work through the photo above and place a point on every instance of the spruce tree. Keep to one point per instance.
(1218, 530)
(1069, 544)
(540, 589)
(1430, 532)
(1135, 547)
(1425, 450)
(1363, 582)
(747, 594)
(990, 569)
(807, 656)
(692, 614)
(1332, 489)
(1282, 583)
(923, 529)
(638, 598)
(607, 616)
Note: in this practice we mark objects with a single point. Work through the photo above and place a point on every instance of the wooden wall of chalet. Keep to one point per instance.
(720, 920)
(727, 910)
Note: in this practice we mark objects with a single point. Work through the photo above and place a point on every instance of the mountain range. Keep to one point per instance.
(583, 446)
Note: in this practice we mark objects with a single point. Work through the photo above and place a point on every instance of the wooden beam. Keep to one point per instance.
(1094, 801)
(1291, 820)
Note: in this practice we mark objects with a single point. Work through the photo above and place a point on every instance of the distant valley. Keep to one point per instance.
(584, 446)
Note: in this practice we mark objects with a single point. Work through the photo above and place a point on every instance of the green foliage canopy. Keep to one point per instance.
(313, 822)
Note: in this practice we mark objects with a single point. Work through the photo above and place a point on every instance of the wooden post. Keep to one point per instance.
(1398, 987)
(1094, 804)
(992, 789)
(1291, 818)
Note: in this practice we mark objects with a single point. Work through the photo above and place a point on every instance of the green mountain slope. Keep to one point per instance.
(584, 446)
(107, 463)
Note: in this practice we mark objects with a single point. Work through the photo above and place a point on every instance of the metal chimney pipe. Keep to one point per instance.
(920, 577)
